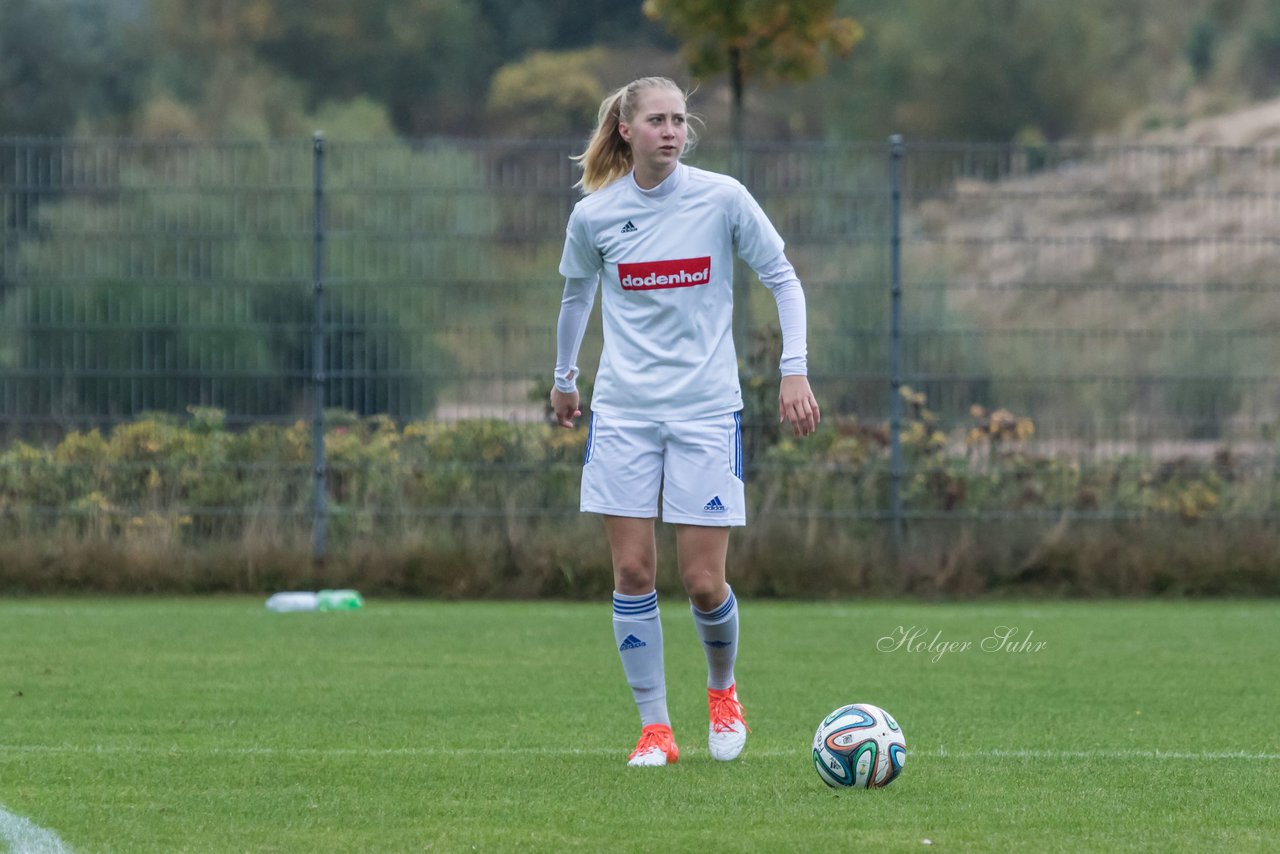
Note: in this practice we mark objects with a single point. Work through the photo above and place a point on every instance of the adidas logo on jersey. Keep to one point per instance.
(715, 505)
(631, 642)
(629, 228)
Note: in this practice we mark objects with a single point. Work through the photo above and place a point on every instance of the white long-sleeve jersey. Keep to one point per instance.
(664, 258)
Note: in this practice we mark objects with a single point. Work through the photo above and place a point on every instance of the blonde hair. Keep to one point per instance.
(608, 155)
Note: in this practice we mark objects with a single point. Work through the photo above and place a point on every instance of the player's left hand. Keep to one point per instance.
(565, 407)
(797, 404)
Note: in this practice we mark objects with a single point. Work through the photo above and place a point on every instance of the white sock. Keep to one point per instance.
(637, 631)
(718, 629)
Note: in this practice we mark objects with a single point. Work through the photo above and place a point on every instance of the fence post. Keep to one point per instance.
(895, 341)
(318, 376)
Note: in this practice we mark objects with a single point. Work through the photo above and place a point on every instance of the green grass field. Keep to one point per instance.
(211, 725)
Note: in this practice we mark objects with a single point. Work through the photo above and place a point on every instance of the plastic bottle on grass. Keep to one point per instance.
(339, 600)
(290, 601)
(324, 600)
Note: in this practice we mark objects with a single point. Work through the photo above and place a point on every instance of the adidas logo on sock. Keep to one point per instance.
(715, 505)
(629, 228)
(631, 642)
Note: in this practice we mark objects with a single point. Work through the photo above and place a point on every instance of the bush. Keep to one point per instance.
(489, 507)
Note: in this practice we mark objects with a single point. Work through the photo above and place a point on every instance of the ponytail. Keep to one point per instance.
(608, 156)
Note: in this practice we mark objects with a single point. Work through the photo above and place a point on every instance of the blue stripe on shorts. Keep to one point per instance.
(737, 446)
(591, 438)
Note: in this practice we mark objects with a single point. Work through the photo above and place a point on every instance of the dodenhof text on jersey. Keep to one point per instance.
(655, 275)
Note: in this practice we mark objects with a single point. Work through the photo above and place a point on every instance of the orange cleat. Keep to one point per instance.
(657, 747)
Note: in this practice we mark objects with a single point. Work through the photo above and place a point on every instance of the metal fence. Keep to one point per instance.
(1101, 302)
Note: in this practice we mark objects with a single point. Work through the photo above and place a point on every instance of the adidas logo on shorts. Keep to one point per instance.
(629, 228)
(631, 642)
(715, 505)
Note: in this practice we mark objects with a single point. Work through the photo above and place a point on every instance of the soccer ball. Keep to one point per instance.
(859, 747)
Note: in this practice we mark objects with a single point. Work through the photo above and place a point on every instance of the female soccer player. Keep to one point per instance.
(667, 408)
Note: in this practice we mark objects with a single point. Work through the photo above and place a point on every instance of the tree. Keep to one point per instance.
(996, 70)
(756, 38)
(428, 61)
(1262, 54)
(63, 59)
(549, 94)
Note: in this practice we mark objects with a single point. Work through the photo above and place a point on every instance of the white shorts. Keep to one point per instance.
(696, 464)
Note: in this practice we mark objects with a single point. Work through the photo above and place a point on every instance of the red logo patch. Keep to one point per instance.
(657, 275)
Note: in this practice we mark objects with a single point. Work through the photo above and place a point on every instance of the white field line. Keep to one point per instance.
(1181, 755)
(22, 836)
(938, 753)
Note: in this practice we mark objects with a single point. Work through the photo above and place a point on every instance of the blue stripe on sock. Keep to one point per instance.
(630, 607)
(721, 612)
(636, 612)
(642, 599)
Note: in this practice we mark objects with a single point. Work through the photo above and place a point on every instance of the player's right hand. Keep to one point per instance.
(565, 406)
